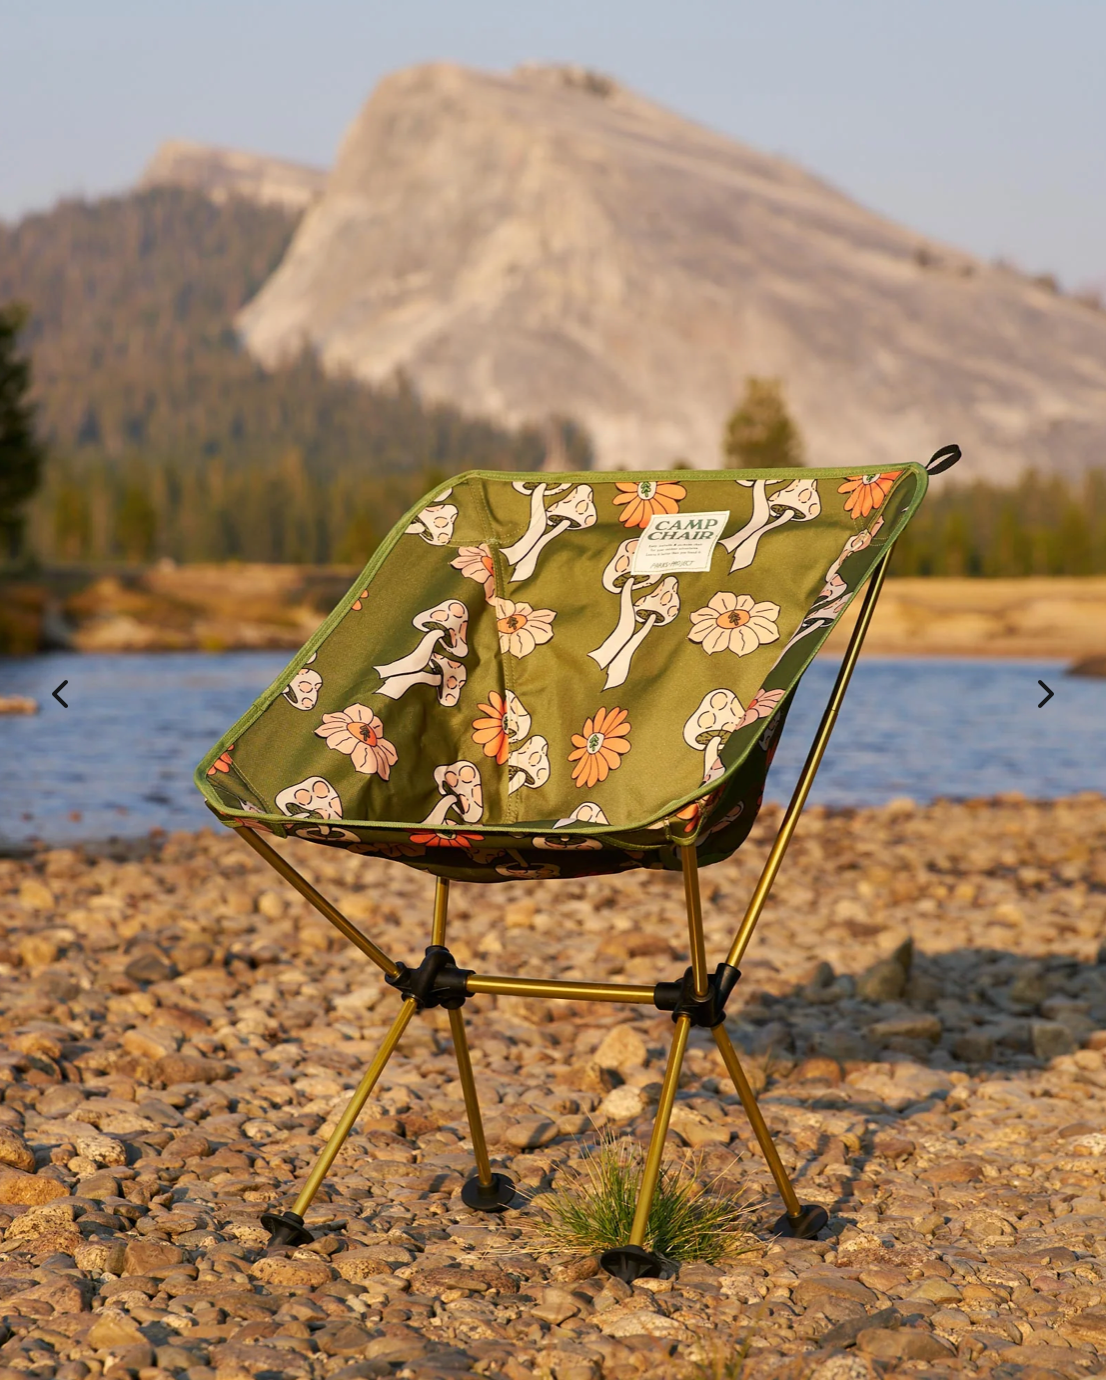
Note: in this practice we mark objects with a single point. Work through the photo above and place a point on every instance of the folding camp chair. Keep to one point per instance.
(561, 675)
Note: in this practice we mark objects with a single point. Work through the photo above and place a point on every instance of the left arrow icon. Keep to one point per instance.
(64, 704)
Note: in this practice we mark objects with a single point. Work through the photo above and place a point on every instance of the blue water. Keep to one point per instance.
(119, 760)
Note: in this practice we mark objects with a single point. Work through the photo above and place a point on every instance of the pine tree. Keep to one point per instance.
(760, 434)
(20, 453)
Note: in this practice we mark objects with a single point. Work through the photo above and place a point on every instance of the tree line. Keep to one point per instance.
(285, 510)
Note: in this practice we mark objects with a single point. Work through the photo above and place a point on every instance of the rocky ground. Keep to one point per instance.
(179, 1032)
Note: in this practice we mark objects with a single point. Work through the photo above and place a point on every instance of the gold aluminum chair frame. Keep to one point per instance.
(703, 1004)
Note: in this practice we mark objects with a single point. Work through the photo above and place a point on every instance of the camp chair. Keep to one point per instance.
(561, 675)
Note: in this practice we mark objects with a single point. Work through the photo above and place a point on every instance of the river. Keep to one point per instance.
(119, 760)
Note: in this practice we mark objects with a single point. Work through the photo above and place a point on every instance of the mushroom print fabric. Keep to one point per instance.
(523, 682)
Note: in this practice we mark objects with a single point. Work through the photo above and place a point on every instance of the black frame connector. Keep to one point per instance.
(437, 981)
(707, 1012)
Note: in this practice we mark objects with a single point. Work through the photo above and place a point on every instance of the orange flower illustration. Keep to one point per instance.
(475, 563)
(358, 733)
(506, 722)
(599, 749)
(867, 492)
(522, 628)
(222, 762)
(356, 605)
(432, 840)
(649, 497)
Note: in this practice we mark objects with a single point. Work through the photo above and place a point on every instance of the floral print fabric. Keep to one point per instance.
(503, 695)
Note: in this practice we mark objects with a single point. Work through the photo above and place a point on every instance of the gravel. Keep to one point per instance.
(923, 1007)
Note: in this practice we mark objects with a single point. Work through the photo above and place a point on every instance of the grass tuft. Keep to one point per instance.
(594, 1210)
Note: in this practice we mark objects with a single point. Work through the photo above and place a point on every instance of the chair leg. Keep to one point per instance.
(633, 1261)
(287, 1228)
(488, 1191)
(800, 1219)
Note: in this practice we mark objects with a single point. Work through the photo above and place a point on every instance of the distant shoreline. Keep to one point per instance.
(236, 607)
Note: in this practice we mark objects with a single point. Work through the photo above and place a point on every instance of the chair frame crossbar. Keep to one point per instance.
(698, 999)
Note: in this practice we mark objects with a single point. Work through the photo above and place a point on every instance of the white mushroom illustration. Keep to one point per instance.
(795, 502)
(302, 690)
(835, 586)
(446, 632)
(619, 579)
(821, 617)
(719, 714)
(834, 593)
(528, 765)
(587, 813)
(536, 526)
(312, 798)
(653, 610)
(459, 786)
(576, 509)
(435, 523)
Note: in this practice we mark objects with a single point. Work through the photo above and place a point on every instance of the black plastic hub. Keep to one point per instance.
(437, 981)
(285, 1229)
(628, 1263)
(808, 1224)
(493, 1197)
(709, 1011)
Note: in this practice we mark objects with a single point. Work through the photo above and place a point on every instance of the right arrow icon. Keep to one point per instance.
(1048, 695)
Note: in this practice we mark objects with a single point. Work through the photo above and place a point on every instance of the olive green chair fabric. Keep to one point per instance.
(549, 675)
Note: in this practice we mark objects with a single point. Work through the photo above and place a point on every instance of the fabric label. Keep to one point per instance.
(678, 541)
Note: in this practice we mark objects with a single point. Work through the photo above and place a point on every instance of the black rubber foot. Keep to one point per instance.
(628, 1263)
(285, 1229)
(493, 1197)
(808, 1224)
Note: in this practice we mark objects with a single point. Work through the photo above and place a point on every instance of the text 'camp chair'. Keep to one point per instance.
(561, 675)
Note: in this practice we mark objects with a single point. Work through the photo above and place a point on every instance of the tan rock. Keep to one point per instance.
(66, 1295)
(530, 1132)
(37, 950)
(623, 1104)
(190, 1068)
(917, 1026)
(477, 1281)
(343, 1339)
(640, 1323)
(150, 1042)
(37, 1042)
(15, 1151)
(144, 1256)
(41, 1218)
(358, 1265)
(903, 1344)
(32, 1189)
(621, 1048)
(290, 1272)
(100, 1253)
(93, 1145)
(112, 1330)
(35, 896)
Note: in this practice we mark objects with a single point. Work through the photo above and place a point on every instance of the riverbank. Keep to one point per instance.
(180, 1032)
(1040, 617)
(229, 607)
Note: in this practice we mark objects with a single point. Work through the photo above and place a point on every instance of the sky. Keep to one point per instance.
(975, 122)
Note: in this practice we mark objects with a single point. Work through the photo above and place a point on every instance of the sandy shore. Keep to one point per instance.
(221, 607)
(180, 1032)
(1034, 618)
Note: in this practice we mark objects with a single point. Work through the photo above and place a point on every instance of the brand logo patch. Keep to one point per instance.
(678, 541)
